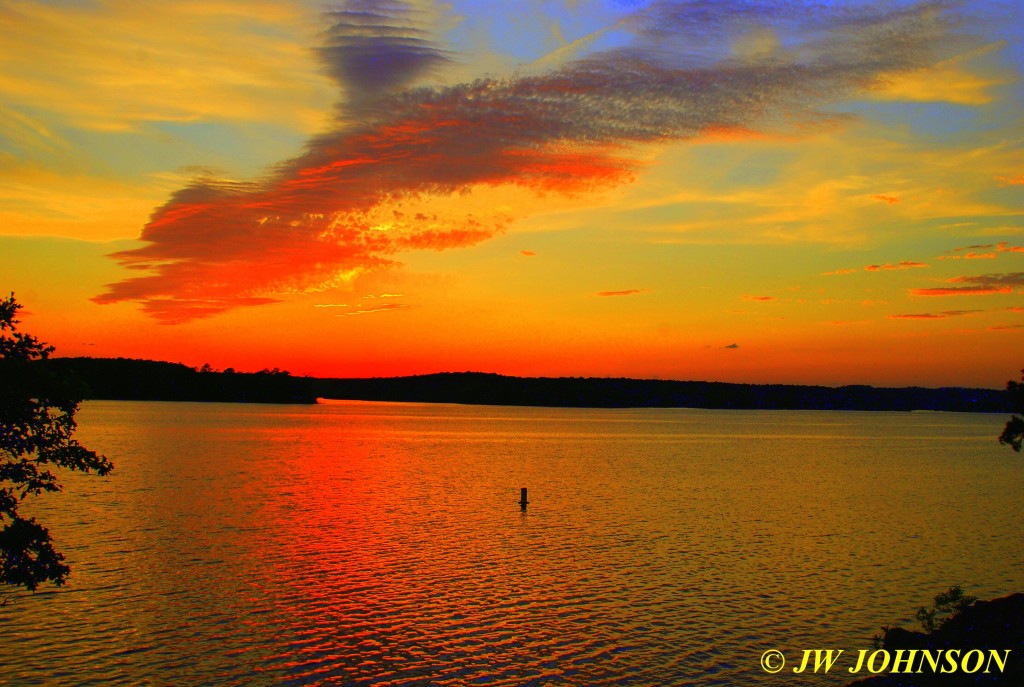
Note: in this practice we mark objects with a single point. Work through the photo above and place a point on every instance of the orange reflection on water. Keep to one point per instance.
(362, 543)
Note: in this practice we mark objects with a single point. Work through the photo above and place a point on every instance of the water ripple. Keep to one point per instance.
(381, 544)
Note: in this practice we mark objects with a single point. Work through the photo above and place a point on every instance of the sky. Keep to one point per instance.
(768, 192)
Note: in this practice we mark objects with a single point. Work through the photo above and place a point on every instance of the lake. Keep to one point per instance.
(354, 543)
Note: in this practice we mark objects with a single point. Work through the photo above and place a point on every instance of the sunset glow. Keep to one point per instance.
(735, 191)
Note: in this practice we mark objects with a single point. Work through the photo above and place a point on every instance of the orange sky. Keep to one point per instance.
(723, 191)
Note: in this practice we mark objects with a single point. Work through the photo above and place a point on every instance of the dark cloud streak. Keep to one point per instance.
(934, 315)
(377, 46)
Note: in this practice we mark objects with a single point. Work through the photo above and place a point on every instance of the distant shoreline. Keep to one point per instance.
(130, 379)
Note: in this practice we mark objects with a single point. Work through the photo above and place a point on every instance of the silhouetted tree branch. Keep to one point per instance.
(37, 424)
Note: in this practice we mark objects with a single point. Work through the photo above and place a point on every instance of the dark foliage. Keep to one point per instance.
(983, 625)
(947, 606)
(37, 425)
(1013, 433)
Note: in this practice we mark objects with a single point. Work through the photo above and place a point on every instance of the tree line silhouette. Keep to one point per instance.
(494, 389)
(128, 379)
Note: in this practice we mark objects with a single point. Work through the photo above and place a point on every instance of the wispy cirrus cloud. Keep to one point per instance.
(387, 307)
(349, 203)
(138, 63)
(934, 315)
(347, 305)
(975, 246)
(901, 265)
(962, 291)
(979, 285)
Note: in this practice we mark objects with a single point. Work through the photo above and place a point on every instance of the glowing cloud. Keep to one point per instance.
(361, 193)
(969, 256)
(981, 285)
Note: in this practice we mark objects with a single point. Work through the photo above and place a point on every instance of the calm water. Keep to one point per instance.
(382, 544)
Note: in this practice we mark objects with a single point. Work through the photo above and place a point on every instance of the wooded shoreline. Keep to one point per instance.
(130, 379)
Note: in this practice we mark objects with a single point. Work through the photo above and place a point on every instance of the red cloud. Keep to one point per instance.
(890, 200)
(759, 298)
(340, 208)
(628, 292)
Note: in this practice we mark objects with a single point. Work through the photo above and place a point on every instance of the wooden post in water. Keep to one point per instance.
(522, 499)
